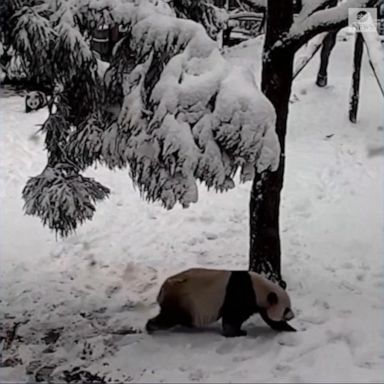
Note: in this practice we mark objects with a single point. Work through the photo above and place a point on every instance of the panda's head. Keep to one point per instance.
(33, 101)
(279, 305)
(272, 300)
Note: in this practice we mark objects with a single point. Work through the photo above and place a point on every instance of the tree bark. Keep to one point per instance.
(277, 77)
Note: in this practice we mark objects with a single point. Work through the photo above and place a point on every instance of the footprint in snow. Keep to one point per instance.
(196, 375)
(112, 290)
(282, 369)
(237, 218)
(207, 219)
(289, 340)
(360, 277)
(193, 241)
(345, 313)
(239, 359)
(226, 347)
(321, 303)
(210, 236)
(316, 320)
(347, 265)
(346, 285)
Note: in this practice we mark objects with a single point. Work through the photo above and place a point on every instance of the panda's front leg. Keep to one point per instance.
(232, 329)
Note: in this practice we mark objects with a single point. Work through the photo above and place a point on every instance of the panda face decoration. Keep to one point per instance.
(199, 296)
(35, 100)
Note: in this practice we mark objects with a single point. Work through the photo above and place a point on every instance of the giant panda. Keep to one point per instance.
(35, 100)
(197, 297)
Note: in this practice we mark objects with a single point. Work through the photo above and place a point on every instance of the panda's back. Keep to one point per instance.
(199, 292)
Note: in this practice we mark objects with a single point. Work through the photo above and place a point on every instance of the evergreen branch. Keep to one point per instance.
(85, 143)
(62, 198)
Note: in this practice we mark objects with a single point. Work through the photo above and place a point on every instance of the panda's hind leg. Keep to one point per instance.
(158, 323)
(168, 317)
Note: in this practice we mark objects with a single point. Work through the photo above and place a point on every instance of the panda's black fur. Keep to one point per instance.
(238, 304)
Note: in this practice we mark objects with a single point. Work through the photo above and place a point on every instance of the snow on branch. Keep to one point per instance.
(174, 113)
(184, 115)
(62, 198)
(72, 49)
(33, 30)
(85, 143)
(303, 29)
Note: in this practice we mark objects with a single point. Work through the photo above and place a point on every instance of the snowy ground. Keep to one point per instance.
(79, 300)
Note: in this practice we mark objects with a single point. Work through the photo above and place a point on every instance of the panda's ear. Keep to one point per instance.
(272, 298)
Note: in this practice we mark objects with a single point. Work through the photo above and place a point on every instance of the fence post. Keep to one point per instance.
(354, 93)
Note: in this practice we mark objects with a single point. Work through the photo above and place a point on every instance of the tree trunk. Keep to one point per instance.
(277, 77)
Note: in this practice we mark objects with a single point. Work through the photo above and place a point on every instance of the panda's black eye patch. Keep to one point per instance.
(272, 298)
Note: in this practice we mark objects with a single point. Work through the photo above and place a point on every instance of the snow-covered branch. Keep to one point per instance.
(62, 198)
(174, 113)
(323, 21)
(186, 114)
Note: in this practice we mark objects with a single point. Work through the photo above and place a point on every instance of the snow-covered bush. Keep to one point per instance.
(170, 109)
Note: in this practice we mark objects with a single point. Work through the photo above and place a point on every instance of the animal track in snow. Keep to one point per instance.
(225, 347)
(210, 236)
(241, 358)
(347, 265)
(344, 313)
(316, 320)
(196, 375)
(238, 218)
(350, 287)
(289, 339)
(282, 368)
